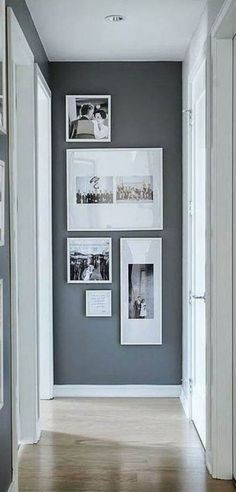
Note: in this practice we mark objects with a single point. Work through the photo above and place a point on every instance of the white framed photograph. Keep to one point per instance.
(114, 189)
(141, 291)
(89, 260)
(98, 303)
(1, 345)
(2, 203)
(88, 119)
(3, 83)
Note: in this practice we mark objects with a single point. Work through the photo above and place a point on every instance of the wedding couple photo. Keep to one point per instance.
(88, 118)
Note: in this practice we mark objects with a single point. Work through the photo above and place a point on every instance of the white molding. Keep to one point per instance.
(185, 402)
(13, 487)
(116, 391)
(219, 374)
(44, 236)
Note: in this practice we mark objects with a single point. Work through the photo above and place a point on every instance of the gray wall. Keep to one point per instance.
(146, 112)
(27, 25)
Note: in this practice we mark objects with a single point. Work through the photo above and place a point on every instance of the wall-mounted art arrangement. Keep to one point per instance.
(88, 118)
(1, 345)
(141, 291)
(2, 202)
(98, 303)
(3, 105)
(114, 189)
(89, 260)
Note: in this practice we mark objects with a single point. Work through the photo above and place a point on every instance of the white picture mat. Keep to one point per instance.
(116, 163)
(89, 241)
(98, 303)
(90, 96)
(1, 346)
(137, 251)
(2, 203)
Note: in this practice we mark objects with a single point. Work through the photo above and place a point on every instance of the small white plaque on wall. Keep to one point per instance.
(98, 303)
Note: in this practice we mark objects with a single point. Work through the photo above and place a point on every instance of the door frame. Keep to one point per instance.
(219, 251)
(47, 377)
(30, 422)
(219, 450)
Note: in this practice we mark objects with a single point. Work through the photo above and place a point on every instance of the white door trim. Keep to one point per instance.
(219, 352)
(31, 418)
(46, 373)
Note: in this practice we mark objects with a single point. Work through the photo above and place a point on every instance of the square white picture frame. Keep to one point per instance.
(141, 291)
(92, 258)
(98, 303)
(98, 124)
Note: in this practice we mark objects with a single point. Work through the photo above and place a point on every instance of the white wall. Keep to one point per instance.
(197, 47)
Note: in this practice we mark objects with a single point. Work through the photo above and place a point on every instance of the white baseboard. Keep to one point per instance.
(185, 402)
(117, 391)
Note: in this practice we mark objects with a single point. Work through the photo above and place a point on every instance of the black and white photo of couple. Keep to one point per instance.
(88, 118)
(88, 261)
(141, 291)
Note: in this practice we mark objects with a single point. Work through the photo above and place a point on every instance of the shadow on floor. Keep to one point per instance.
(63, 462)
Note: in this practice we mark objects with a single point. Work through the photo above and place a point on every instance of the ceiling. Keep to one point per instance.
(75, 30)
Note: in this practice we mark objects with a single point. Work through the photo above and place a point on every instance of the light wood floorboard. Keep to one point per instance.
(116, 445)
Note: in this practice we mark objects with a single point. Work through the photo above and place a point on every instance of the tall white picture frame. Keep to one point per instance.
(141, 291)
(114, 189)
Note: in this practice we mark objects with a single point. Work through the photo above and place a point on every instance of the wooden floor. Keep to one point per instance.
(116, 445)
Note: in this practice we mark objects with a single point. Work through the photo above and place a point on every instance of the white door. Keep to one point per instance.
(198, 219)
(44, 235)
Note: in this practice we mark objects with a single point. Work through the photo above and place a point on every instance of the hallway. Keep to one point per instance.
(112, 444)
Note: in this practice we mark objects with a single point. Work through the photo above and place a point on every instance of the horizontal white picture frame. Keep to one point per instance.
(99, 303)
(89, 260)
(88, 118)
(141, 291)
(114, 189)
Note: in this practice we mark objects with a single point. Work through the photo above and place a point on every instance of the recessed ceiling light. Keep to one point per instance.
(115, 18)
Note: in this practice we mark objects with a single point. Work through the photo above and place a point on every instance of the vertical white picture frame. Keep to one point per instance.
(141, 291)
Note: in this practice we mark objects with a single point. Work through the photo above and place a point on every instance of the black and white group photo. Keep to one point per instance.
(94, 189)
(89, 260)
(141, 291)
(88, 118)
(134, 189)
